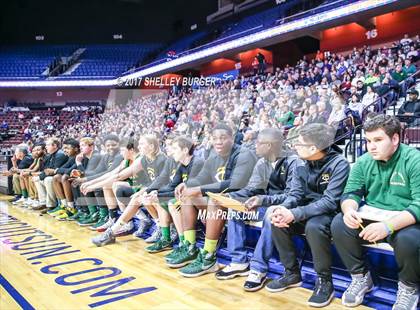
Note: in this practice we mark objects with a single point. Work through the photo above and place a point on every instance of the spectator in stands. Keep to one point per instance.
(261, 63)
(406, 40)
(255, 65)
(359, 77)
(356, 107)
(323, 110)
(387, 179)
(371, 78)
(4, 126)
(409, 68)
(413, 53)
(337, 113)
(286, 118)
(369, 98)
(410, 109)
(400, 75)
(314, 116)
(360, 89)
(310, 207)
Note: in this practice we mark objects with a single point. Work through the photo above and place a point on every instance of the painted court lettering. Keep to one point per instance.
(42, 242)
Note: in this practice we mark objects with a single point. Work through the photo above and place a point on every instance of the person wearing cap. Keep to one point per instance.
(411, 108)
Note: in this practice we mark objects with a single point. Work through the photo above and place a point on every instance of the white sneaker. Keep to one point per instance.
(125, 229)
(21, 200)
(255, 281)
(233, 270)
(28, 202)
(407, 297)
(105, 226)
(34, 202)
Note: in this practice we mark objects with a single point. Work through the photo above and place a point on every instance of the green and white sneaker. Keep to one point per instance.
(159, 246)
(56, 209)
(175, 252)
(204, 263)
(184, 255)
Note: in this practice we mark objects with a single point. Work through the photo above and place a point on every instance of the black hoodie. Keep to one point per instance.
(317, 187)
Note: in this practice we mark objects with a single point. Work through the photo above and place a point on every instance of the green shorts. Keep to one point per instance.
(165, 205)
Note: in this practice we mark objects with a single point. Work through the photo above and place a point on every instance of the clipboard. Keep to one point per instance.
(227, 202)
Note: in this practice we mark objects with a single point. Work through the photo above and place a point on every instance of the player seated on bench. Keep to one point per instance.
(182, 150)
(227, 169)
(269, 184)
(86, 162)
(20, 160)
(386, 178)
(61, 183)
(310, 207)
(152, 163)
(166, 176)
(109, 185)
(95, 200)
(38, 152)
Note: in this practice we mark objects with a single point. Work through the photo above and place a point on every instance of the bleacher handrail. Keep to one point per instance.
(376, 101)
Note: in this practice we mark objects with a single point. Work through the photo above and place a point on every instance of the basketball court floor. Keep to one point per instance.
(46, 264)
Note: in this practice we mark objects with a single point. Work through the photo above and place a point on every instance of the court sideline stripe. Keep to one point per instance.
(15, 294)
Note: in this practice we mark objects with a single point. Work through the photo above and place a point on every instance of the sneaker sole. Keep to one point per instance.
(84, 225)
(161, 250)
(103, 243)
(355, 304)
(283, 288)
(232, 276)
(211, 269)
(179, 265)
(126, 233)
(257, 288)
(315, 305)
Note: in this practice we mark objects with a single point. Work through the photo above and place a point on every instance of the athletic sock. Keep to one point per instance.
(113, 213)
(70, 204)
(141, 215)
(166, 233)
(210, 245)
(117, 226)
(190, 236)
(25, 193)
(63, 202)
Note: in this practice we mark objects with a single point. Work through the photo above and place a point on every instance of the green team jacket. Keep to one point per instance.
(392, 185)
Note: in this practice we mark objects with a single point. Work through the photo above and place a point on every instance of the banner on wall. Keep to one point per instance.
(225, 76)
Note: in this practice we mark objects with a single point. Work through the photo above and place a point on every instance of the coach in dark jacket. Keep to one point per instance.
(55, 159)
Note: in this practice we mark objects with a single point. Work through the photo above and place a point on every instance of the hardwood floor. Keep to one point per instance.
(53, 265)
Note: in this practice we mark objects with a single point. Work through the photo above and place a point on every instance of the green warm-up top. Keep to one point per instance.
(393, 185)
